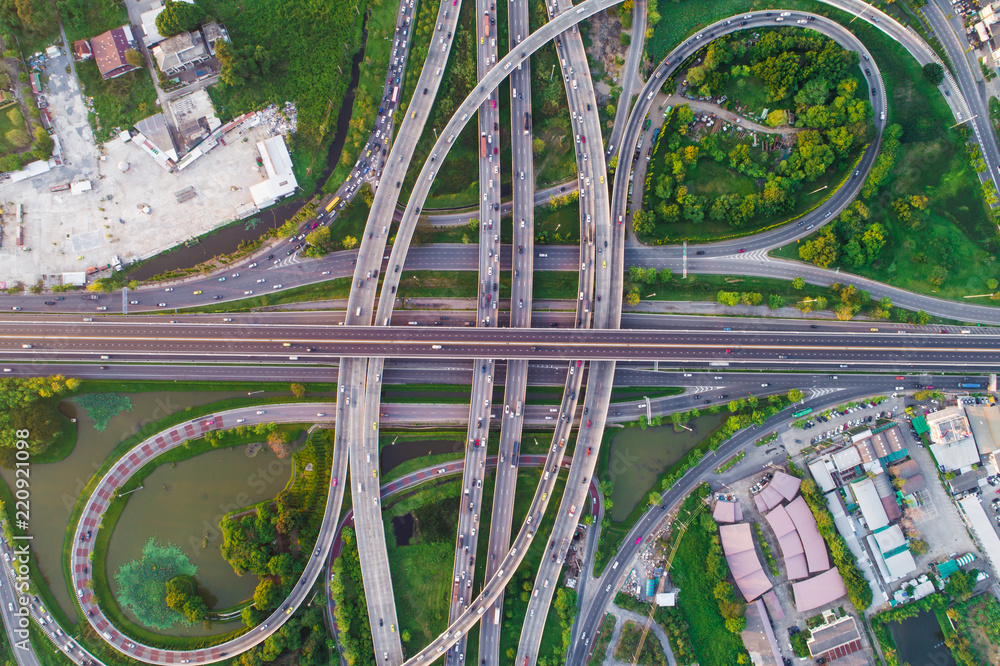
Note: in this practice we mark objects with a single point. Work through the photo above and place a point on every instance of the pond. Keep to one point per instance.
(920, 641)
(55, 487)
(183, 503)
(402, 529)
(394, 455)
(638, 457)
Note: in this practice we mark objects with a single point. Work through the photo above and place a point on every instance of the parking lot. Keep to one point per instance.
(64, 232)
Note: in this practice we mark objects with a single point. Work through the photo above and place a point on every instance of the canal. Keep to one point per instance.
(638, 457)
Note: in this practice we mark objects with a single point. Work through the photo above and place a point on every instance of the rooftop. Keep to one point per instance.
(948, 426)
(985, 423)
(871, 506)
(109, 51)
(818, 591)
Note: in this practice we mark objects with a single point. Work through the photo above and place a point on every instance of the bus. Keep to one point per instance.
(802, 412)
(333, 204)
(968, 385)
(395, 94)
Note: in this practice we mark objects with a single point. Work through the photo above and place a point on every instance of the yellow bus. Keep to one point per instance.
(330, 206)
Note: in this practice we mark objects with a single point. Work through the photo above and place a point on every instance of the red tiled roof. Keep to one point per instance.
(109, 51)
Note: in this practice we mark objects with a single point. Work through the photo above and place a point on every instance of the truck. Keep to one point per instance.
(586, 305)
(486, 23)
(517, 409)
(513, 457)
(496, 615)
(482, 145)
(454, 591)
(527, 122)
(333, 204)
(561, 553)
(395, 94)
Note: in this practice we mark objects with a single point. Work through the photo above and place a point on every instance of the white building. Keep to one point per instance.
(280, 178)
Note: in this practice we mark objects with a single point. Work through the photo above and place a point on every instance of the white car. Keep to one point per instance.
(248, 292)
(261, 411)
(169, 289)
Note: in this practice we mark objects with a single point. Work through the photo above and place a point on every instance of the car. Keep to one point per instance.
(741, 250)
(169, 289)
(638, 540)
(729, 351)
(130, 303)
(198, 292)
(222, 279)
(248, 292)
(161, 305)
(50, 302)
(374, 425)
(588, 423)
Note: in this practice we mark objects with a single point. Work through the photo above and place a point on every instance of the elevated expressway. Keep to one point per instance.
(522, 215)
(488, 298)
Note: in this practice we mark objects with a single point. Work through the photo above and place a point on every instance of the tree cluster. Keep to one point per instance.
(182, 596)
(805, 71)
(304, 635)
(178, 17)
(29, 403)
(258, 543)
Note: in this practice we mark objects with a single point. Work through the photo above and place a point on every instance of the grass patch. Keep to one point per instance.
(422, 601)
(318, 291)
(518, 592)
(714, 644)
(603, 640)
(628, 644)
(118, 103)
(13, 130)
(288, 50)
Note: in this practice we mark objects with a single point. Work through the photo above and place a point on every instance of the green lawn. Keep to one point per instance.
(296, 51)
(711, 179)
(751, 91)
(13, 130)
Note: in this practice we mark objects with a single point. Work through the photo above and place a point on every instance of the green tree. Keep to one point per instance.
(774, 301)
(42, 150)
(960, 585)
(794, 395)
(266, 595)
(632, 298)
(349, 242)
(298, 390)
(178, 17)
(934, 73)
(665, 275)
(798, 283)
(134, 58)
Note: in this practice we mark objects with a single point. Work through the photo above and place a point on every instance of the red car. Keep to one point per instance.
(335, 483)
(583, 139)
(588, 423)
(742, 250)
(495, 151)
(729, 351)
(579, 363)
(638, 539)
(589, 449)
(494, 104)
